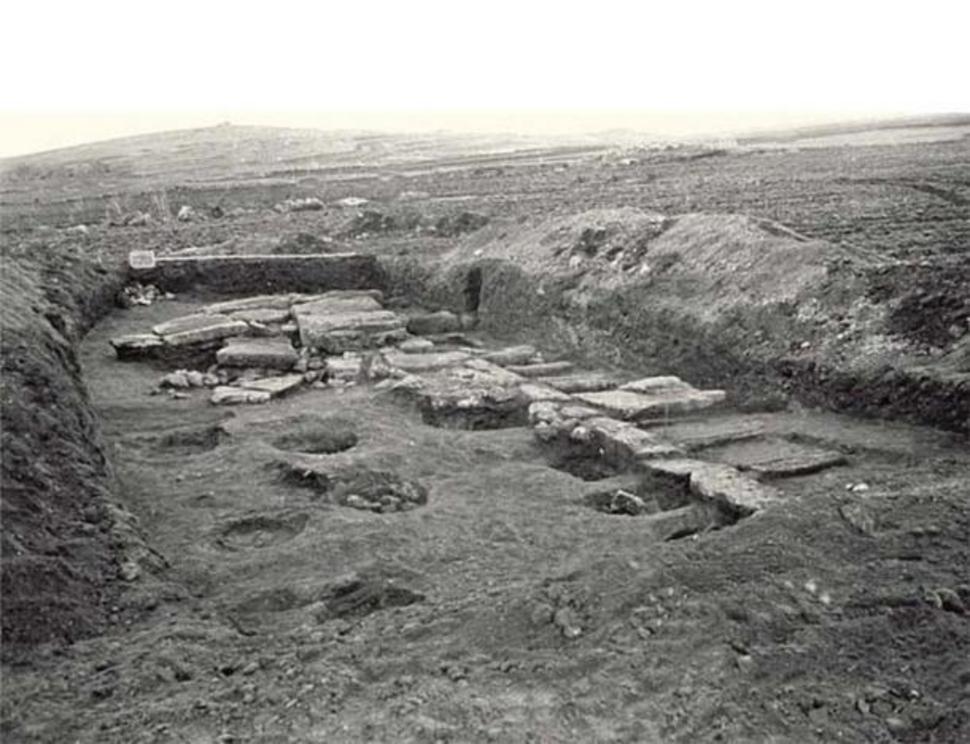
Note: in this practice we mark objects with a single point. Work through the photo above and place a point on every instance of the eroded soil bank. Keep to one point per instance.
(510, 605)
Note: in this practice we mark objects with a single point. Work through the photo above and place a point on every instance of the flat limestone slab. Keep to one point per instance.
(695, 435)
(739, 492)
(265, 302)
(314, 328)
(425, 362)
(334, 304)
(657, 385)
(229, 396)
(275, 386)
(581, 383)
(494, 372)
(216, 331)
(416, 346)
(628, 405)
(258, 352)
(547, 369)
(778, 458)
(262, 315)
(622, 441)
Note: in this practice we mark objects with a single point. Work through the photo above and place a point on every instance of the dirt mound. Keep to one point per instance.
(722, 297)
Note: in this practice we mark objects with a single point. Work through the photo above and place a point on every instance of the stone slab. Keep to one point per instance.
(262, 315)
(315, 328)
(516, 355)
(622, 442)
(264, 302)
(629, 406)
(425, 362)
(657, 385)
(263, 352)
(738, 492)
(337, 304)
(275, 386)
(778, 458)
(218, 327)
(695, 435)
(494, 372)
(581, 383)
(228, 396)
(546, 369)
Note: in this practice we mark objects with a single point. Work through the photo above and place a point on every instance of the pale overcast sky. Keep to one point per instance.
(75, 72)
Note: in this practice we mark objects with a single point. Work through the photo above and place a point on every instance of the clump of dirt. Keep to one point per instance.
(324, 437)
(454, 225)
(193, 440)
(358, 487)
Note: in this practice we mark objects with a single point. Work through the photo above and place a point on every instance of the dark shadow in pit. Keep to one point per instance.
(581, 462)
(473, 290)
(359, 595)
(671, 509)
(260, 531)
(356, 487)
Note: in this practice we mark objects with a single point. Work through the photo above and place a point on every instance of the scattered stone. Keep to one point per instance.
(224, 395)
(137, 346)
(346, 368)
(512, 355)
(568, 622)
(307, 204)
(859, 517)
(178, 379)
(415, 345)
(263, 352)
(195, 378)
(430, 323)
(621, 442)
(619, 501)
(546, 369)
(139, 294)
(352, 201)
(186, 214)
(685, 521)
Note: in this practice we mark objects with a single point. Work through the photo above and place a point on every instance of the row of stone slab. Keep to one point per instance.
(334, 322)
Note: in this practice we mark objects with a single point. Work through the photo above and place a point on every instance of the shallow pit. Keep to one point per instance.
(356, 487)
(327, 437)
(260, 531)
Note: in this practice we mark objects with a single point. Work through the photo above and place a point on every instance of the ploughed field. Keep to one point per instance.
(379, 524)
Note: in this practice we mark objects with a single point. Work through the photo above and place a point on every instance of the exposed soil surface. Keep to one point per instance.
(517, 602)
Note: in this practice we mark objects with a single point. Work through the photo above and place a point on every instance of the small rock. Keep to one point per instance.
(195, 378)
(951, 601)
(568, 622)
(129, 570)
(177, 379)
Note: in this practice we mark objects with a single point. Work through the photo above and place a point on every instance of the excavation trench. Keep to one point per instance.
(337, 470)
